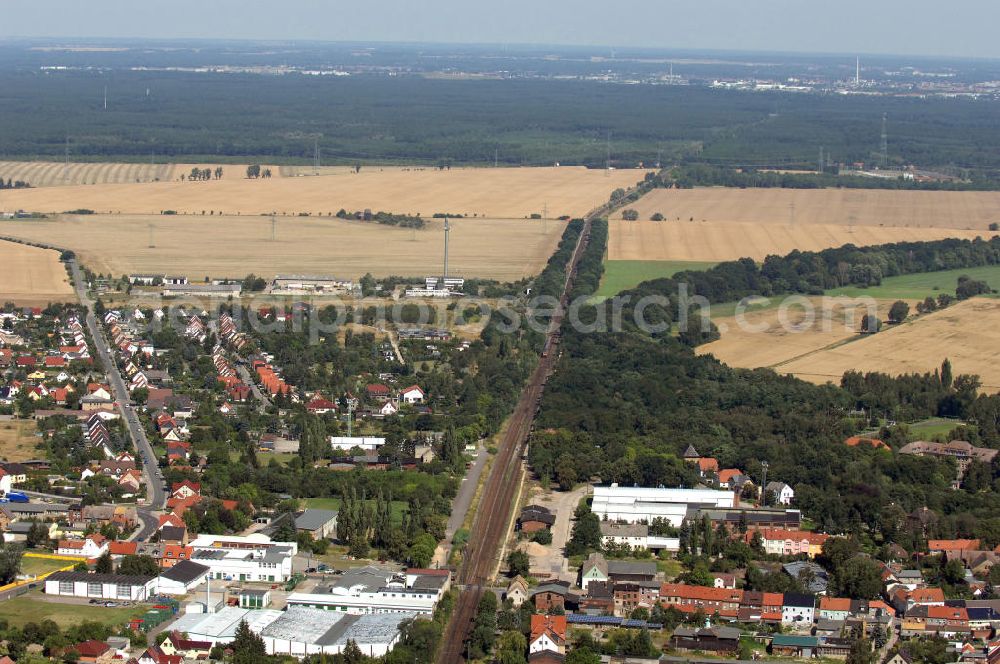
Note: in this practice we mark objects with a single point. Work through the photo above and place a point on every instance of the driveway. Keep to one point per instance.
(550, 561)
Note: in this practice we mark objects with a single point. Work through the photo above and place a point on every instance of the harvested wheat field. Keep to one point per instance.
(508, 193)
(58, 174)
(717, 224)
(199, 246)
(725, 241)
(966, 210)
(967, 333)
(32, 276)
(788, 328)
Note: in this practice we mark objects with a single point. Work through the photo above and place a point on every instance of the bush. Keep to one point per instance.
(543, 537)
(630, 215)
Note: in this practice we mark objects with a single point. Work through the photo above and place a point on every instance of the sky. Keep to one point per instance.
(963, 28)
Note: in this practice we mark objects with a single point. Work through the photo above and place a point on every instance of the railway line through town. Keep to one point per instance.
(492, 520)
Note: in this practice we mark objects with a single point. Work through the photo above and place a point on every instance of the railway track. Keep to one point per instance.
(493, 515)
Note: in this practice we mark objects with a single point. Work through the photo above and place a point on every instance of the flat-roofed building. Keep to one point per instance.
(374, 590)
(637, 504)
(311, 283)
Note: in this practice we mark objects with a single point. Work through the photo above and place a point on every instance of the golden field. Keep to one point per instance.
(717, 224)
(32, 276)
(725, 241)
(769, 336)
(966, 210)
(500, 193)
(967, 333)
(199, 246)
(58, 174)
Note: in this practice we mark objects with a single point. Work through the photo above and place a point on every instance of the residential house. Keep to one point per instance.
(594, 568)
(721, 602)
(779, 493)
(547, 633)
(798, 609)
(411, 395)
(93, 546)
(517, 591)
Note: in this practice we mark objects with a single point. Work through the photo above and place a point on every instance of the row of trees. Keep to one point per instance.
(203, 174)
(254, 171)
(13, 184)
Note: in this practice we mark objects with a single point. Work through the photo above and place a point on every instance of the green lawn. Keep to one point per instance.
(38, 566)
(623, 275)
(935, 426)
(398, 506)
(33, 608)
(919, 286)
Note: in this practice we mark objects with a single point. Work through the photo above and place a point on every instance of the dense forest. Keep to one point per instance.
(688, 176)
(623, 406)
(169, 115)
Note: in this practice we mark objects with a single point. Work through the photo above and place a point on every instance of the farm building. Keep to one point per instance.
(366, 443)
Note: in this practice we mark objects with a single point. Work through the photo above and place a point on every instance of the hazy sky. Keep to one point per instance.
(960, 28)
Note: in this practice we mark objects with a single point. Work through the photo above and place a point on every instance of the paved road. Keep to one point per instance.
(460, 506)
(245, 376)
(156, 496)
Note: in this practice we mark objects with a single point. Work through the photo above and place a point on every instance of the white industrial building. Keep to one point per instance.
(298, 631)
(310, 283)
(366, 443)
(101, 586)
(251, 558)
(642, 505)
(183, 577)
(371, 589)
(220, 627)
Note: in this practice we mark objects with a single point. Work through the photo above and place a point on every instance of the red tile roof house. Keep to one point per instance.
(547, 633)
(90, 650)
(378, 392)
(946, 546)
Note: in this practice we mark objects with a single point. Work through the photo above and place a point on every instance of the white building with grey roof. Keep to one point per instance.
(374, 590)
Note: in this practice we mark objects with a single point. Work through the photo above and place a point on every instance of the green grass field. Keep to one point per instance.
(34, 608)
(398, 506)
(38, 566)
(622, 275)
(919, 286)
(935, 426)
